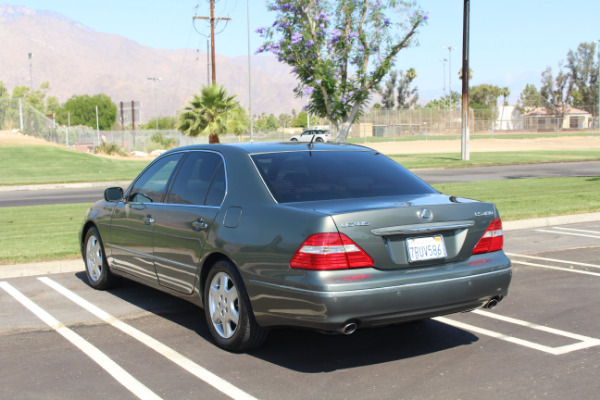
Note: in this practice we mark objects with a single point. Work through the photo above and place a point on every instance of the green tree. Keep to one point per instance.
(163, 123)
(445, 102)
(583, 75)
(52, 105)
(555, 92)
(529, 99)
(388, 100)
(300, 120)
(238, 121)
(340, 50)
(37, 98)
(82, 111)
(285, 120)
(407, 95)
(460, 74)
(207, 113)
(484, 96)
(3, 91)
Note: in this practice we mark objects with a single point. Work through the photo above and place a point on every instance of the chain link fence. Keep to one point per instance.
(507, 120)
(381, 124)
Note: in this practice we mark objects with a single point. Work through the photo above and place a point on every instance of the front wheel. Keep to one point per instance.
(96, 267)
(227, 310)
(294, 140)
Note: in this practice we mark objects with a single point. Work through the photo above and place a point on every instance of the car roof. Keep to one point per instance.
(272, 147)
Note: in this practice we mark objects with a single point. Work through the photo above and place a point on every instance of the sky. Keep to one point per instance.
(511, 41)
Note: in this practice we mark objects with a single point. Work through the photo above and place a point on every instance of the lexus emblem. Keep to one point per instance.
(425, 214)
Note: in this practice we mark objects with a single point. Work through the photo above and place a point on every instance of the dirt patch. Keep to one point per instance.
(8, 138)
(484, 145)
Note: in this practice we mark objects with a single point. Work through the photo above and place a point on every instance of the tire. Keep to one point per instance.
(227, 310)
(320, 140)
(96, 268)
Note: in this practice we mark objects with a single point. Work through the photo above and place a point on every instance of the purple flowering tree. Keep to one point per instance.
(340, 50)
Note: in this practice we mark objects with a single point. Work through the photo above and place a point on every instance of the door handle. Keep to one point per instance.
(199, 225)
(148, 220)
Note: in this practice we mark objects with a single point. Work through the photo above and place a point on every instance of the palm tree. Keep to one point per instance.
(207, 113)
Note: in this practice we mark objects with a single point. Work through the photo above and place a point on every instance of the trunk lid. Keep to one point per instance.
(407, 232)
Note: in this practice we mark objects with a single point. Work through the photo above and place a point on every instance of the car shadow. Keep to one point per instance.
(307, 351)
(313, 352)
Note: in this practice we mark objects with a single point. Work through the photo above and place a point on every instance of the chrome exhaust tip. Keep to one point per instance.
(492, 303)
(349, 328)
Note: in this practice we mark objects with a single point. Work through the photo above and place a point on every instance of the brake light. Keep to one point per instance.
(492, 239)
(329, 251)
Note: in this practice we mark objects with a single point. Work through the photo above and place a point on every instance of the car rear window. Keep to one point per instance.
(329, 175)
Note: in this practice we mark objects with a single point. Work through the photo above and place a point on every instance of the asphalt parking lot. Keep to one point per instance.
(60, 339)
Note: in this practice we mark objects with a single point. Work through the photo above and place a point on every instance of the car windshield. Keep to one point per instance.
(329, 175)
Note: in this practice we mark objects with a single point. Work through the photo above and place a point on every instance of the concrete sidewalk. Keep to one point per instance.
(77, 265)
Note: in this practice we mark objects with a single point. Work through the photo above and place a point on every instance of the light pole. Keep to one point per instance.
(443, 61)
(30, 72)
(250, 76)
(154, 79)
(450, 48)
(598, 82)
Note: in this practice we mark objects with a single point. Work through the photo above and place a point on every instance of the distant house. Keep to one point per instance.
(540, 119)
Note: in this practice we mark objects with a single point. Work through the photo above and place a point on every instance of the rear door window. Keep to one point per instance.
(200, 180)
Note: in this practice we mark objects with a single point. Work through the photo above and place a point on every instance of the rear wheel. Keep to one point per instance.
(319, 140)
(96, 267)
(227, 310)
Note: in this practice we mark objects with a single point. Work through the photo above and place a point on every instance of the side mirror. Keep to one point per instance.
(113, 194)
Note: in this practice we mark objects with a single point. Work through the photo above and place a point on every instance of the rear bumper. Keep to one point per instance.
(280, 305)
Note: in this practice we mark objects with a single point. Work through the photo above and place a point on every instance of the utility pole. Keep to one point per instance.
(212, 20)
(155, 79)
(465, 83)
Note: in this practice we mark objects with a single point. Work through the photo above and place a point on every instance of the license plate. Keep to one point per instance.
(426, 248)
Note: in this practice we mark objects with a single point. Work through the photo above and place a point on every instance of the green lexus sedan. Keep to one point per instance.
(330, 237)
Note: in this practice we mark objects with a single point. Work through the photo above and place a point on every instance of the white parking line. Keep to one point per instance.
(215, 381)
(576, 230)
(575, 271)
(567, 233)
(553, 260)
(584, 342)
(114, 369)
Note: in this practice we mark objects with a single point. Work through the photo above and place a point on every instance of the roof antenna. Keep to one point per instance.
(310, 144)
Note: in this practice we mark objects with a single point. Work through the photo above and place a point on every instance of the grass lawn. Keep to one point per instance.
(38, 164)
(41, 233)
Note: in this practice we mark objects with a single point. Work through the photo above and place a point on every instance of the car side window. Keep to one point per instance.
(152, 184)
(198, 182)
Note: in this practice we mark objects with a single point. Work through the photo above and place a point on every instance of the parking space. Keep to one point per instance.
(61, 339)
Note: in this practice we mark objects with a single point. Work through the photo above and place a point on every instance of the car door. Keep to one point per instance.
(132, 227)
(184, 220)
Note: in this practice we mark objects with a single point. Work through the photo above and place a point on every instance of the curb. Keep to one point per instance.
(549, 221)
(77, 265)
(41, 268)
(54, 186)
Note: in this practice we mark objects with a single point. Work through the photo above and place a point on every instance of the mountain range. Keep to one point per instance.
(77, 60)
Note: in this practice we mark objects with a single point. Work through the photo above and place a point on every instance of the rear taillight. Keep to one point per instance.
(492, 239)
(328, 251)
